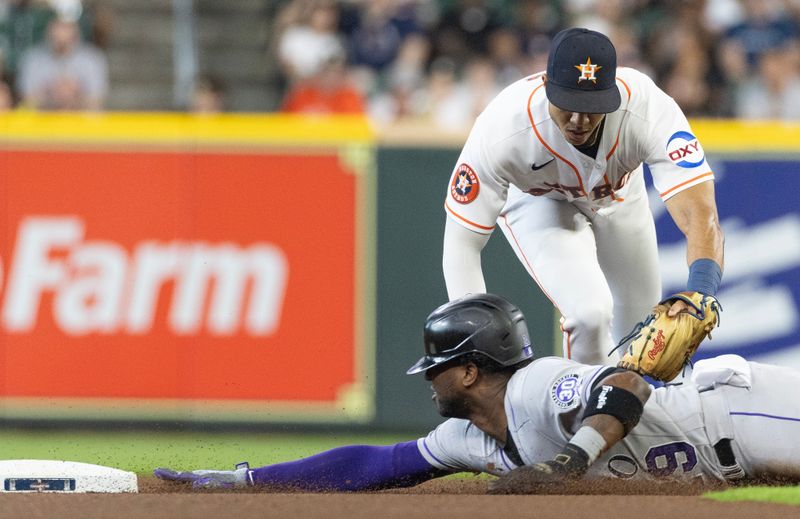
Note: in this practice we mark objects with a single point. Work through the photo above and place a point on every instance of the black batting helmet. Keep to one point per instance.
(479, 323)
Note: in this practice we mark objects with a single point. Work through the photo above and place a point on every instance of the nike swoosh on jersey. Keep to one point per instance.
(536, 168)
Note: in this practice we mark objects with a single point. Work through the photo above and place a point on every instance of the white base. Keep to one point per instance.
(63, 477)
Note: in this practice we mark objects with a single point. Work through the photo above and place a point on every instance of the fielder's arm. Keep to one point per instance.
(695, 213)
(461, 260)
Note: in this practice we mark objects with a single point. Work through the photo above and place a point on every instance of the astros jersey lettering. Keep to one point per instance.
(514, 142)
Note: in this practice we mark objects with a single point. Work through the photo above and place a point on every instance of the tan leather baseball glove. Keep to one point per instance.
(660, 346)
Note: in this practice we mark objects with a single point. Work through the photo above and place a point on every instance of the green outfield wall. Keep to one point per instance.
(412, 182)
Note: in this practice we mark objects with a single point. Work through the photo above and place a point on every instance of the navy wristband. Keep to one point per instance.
(705, 276)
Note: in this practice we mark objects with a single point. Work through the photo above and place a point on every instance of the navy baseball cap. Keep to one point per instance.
(581, 72)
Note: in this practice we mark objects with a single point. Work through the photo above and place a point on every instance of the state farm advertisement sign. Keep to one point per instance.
(169, 277)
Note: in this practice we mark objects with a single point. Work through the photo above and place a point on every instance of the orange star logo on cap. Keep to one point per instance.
(587, 70)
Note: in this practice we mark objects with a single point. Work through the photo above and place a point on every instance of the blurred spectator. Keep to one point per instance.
(682, 52)
(328, 92)
(402, 82)
(378, 30)
(407, 72)
(441, 83)
(599, 15)
(97, 22)
(307, 37)
(444, 59)
(628, 47)
(453, 104)
(534, 17)
(505, 54)
(63, 73)
(686, 79)
(23, 24)
(775, 92)
(208, 96)
(720, 15)
(537, 22)
(6, 97)
(620, 20)
(766, 26)
(464, 27)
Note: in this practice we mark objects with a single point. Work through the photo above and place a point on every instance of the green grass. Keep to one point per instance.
(789, 495)
(141, 452)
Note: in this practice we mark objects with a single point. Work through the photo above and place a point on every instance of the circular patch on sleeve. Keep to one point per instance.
(566, 391)
(684, 150)
(465, 186)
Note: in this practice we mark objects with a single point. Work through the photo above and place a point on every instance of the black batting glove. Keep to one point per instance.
(569, 464)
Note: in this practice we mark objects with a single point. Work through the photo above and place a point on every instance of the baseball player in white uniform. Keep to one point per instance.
(553, 419)
(555, 160)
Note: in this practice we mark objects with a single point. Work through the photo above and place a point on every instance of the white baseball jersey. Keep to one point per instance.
(514, 142)
(545, 401)
(580, 226)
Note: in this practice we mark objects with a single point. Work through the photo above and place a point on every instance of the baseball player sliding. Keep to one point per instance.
(553, 419)
(555, 160)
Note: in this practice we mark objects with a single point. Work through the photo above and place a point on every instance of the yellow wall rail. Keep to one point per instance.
(164, 128)
(716, 135)
(734, 136)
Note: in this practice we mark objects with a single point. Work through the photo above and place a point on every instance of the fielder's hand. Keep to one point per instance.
(667, 339)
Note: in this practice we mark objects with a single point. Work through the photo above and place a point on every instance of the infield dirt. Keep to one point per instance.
(435, 499)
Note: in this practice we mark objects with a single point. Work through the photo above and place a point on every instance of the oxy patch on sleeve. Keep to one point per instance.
(684, 150)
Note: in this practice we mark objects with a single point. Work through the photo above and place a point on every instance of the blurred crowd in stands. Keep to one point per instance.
(437, 60)
(51, 59)
(444, 60)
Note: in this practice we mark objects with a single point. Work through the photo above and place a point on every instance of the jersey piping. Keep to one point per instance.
(470, 222)
(536, 279)
(428, 451)
(619, 130)
(505, 460)
(616, 143)
(551, 150)
(528, 263)
(627, 88)
(695, 179)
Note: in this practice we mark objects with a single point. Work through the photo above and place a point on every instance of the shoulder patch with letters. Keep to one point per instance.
(566, 391)
(684, 150)
(465, 186)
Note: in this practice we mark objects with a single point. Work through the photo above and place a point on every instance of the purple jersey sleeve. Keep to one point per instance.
(352, 468)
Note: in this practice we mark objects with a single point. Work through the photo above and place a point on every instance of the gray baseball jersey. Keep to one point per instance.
(544, 403)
